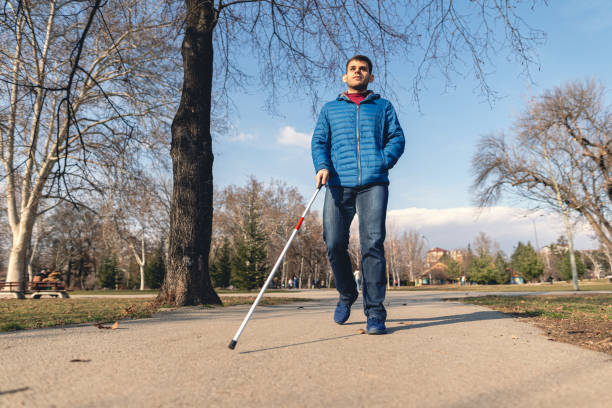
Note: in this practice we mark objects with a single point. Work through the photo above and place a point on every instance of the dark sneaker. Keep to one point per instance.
(342, 313)
(376, 326)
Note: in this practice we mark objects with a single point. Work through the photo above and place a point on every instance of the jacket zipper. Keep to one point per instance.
(358, 151)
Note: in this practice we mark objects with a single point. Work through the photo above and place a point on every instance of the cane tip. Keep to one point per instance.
(232, 344)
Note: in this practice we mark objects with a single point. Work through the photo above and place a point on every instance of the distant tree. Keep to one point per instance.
(467, 259)
(249, 264)
(454, 270)
(482, 269)
(483, 244)
(526, 261)
(109, 275)
(155, 269)
(502, 274)
(221, 268)
(565, 268)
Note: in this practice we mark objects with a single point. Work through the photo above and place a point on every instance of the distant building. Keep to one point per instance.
(457, 255)
(436, 275)
(434, 255)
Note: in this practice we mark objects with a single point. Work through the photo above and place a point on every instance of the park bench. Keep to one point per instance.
(51, 288)
(35, 289)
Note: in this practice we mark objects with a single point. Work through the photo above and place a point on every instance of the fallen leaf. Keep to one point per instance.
(361, 331)
(115, 326)
(515, 337)
(101, 326)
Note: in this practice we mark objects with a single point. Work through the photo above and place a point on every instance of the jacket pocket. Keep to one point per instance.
(383, 160)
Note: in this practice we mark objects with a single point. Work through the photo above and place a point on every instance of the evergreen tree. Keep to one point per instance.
(526, 261)
(502, 274)
(467, 260)
(109, 275)
(566, 270)
(454, 268)
(482, 269)
(249, 266)
(155, 269)
(221, 268)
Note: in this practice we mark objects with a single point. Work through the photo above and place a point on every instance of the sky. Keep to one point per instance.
(430, 185)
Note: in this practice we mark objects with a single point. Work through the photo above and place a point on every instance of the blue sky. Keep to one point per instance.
(430, 184)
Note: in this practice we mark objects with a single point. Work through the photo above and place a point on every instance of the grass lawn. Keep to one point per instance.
(128, 292)
(587, 286)
(581, 319)
(18, 314)
(122, 292)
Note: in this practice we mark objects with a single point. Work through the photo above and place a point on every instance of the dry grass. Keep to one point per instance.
(18, 314)
(582, 319)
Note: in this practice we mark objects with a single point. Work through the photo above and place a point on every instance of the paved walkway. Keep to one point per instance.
(437, 354)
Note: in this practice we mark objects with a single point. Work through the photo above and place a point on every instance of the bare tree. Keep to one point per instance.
(136, 215)
(413, 251)
(558, 157)
(71, 243)
(83, 87)
(302, 45)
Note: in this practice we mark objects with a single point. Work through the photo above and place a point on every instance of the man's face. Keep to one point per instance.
(357, 75)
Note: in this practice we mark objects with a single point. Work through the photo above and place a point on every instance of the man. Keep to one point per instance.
(356, 141)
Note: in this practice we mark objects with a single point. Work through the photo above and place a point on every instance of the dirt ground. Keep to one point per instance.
(591, 334)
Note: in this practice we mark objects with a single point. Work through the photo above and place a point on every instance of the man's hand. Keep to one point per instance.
(322, 177)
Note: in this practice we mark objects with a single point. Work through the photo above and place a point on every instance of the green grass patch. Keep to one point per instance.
(20, 314)
(584, 307)
(122, 292)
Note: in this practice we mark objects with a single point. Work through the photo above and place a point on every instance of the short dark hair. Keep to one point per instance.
(361, 58)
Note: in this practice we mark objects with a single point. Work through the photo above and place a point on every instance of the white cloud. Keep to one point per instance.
(287, 135)
(242, 137)
(455, 227)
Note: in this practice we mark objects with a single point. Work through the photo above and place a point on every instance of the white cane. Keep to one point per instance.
(232, 344)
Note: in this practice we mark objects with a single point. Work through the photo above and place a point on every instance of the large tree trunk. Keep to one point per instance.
(19, 249)
(187, 281)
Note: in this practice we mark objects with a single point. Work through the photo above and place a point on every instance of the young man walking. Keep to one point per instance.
(356, 141)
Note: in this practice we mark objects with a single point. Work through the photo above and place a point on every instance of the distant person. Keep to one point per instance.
(357, 276)
(295, 282)
(356, 141)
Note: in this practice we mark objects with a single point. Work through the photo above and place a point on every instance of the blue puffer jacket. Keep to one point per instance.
(358, 144)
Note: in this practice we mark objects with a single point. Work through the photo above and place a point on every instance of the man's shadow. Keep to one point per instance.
(405, 324)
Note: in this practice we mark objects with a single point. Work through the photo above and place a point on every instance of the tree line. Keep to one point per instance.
(122, 244)
(483, 262)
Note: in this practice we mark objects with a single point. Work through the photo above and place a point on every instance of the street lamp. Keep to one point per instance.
(535, 231)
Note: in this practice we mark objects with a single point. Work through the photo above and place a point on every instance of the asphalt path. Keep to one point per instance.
(437, 354)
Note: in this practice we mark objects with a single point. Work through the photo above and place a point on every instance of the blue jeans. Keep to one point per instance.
(370, 204)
